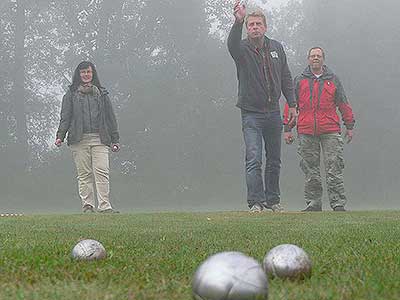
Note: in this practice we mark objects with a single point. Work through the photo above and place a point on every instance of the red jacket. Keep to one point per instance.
(317, 102)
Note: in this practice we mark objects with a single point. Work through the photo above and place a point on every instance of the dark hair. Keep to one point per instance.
(76, 79)
(313, 48)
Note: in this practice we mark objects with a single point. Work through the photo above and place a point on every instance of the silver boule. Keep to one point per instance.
(287, 261)
(88, 250)
(230, 276)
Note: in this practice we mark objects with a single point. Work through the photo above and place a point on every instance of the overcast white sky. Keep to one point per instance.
(263, 4)
(266, 3)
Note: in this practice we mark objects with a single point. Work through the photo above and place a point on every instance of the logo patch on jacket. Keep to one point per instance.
(274, 54)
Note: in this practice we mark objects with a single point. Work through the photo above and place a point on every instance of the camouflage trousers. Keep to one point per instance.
(332, 150)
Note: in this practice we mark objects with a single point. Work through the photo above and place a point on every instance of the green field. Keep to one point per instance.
(356, 255)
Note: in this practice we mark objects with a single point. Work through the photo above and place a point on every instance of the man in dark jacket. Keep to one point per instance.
(319, 93)
(263, 74)
(88, 118)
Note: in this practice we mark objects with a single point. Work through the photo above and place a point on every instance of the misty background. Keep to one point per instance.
(173, 86)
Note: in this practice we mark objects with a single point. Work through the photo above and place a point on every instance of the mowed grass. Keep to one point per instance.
(356, 255)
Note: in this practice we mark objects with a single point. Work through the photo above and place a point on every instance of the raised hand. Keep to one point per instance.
(239, 11)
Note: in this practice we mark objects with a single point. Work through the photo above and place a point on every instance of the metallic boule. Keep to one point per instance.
(88, 250)
(287, 262)
(230, 276)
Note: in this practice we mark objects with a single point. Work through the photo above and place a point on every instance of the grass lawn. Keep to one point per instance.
(356, 255)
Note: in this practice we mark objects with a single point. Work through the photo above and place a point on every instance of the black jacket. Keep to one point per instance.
(254, 94)
(71, 120)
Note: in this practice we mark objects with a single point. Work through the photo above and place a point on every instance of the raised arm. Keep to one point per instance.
(235, 35)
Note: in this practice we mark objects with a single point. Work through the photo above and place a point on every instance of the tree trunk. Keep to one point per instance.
(19, 88)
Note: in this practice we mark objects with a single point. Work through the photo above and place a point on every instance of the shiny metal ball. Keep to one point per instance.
(230, 276)
(89, 250)
(287, 262)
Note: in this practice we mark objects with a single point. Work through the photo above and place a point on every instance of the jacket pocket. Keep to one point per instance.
(328, 122)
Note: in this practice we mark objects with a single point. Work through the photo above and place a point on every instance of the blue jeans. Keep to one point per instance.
(256, 128)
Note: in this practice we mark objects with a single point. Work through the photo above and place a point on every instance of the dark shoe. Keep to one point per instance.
(88, 209)
(109, 211)
(339, 208)
(312, 208)
(266, 206)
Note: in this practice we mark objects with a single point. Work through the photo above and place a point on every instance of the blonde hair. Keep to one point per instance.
(258, 14)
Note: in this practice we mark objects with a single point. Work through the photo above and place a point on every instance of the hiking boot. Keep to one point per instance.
(312, 208)
(256, 208)
(339, 208)
(88, 209)
(109, 211)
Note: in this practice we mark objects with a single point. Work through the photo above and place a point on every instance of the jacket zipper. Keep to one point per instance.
(90, 114)
(312, 90)
(315, 111)
(320, 89)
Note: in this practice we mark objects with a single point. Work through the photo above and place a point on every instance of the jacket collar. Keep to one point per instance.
(253, 47)
(326, 73)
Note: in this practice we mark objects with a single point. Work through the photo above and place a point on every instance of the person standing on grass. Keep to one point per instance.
(263, 74)
(319, 93)
(88, 117)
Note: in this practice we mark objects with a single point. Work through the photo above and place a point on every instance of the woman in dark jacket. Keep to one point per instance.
(88, 118)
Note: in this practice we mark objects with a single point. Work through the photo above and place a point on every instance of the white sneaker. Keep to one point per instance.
(277, 208)
(256, 208)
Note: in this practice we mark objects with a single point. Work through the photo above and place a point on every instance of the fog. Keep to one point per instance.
(173, 86)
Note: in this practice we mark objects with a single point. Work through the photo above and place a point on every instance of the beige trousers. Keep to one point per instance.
(92, 165)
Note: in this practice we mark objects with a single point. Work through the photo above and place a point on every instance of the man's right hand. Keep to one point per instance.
(289, 138)
(58, 142)
(239, 11)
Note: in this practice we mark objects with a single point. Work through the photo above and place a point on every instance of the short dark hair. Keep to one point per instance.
(76, 79)
(317, 47)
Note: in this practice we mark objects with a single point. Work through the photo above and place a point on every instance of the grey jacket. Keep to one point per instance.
(72, 119)
(255, 94)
